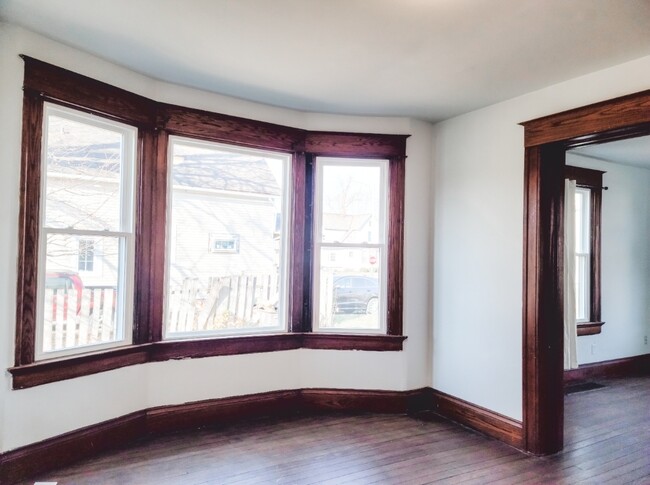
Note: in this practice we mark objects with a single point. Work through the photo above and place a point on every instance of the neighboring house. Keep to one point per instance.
(236, 235)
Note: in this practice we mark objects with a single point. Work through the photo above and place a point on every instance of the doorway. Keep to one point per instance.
(546, 142)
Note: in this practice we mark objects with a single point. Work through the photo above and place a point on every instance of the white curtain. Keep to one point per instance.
(570, 325)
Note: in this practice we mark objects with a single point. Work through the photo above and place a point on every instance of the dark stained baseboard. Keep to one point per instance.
(179, 417)
(35, 459)
(627, 367)
(488, 422)
(62, 450)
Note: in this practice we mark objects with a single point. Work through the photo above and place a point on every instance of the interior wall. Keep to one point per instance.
(625, 259)
(30, 415)
(477, 246)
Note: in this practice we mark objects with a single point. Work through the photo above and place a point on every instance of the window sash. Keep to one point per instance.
(125, 235)
(172, 242)
(319, 244)
(583, 254)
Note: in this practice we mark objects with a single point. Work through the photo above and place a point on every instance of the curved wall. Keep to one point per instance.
(30, 415)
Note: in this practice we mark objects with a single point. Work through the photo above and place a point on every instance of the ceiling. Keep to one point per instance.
(428, 59)
(631, 151)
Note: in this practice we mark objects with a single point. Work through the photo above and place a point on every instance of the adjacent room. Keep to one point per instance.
(325, 241)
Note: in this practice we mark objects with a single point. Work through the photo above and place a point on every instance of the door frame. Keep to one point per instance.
(546, 141)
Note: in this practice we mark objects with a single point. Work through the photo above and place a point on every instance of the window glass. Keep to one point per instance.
(87, 203)
(583, 253)
(84, 164)
(226, 273)
(350, 239)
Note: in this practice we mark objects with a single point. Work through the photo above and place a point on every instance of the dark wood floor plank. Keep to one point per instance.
(607, 440)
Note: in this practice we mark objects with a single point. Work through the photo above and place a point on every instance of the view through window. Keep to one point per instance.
(350, 244)
(88, 165)
(226, 270)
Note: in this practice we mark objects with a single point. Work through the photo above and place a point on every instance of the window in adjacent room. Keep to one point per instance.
(588, 197)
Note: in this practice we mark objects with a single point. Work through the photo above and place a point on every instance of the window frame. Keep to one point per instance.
(156, 122)
(592, 180)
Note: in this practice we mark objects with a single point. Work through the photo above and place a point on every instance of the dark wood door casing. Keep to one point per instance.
(546, 141)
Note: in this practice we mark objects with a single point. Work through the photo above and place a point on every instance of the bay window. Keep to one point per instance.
(150, 231)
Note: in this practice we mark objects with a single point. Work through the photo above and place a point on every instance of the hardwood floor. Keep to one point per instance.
(607, 440)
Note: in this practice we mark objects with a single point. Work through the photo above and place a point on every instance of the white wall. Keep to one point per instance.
(625, 259)
(477, 247)
(33, 414)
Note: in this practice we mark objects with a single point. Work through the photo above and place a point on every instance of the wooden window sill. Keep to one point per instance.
(49, 371)
(589, 328)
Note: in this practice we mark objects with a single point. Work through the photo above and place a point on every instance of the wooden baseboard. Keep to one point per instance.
(627, 367)
(62, 450)
(163, 419)
(478, 418)
(38, 458)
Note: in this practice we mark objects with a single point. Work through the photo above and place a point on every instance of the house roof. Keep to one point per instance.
(218, 171)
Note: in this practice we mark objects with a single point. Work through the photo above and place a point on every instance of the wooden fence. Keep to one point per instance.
(74, 318)
(88, 317)
(226, 302)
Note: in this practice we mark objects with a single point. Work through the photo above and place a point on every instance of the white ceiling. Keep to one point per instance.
(428, 59)
(633, 151)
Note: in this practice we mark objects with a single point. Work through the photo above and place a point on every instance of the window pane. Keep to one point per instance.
(582, 220)
(350, 294)
(226, 251)
(351, 205)
(582, 287)
(83, 175)
(81, 309)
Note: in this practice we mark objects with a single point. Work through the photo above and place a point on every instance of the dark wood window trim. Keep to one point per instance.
(546, 141)
(592, 180)
(156, 122)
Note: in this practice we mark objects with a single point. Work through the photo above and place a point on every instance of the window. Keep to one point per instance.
(588, 198)
(350, 233)
(304, 233)
(87, 193)
(582, 253)
(86, 255)
(224, 243)
(240, 285)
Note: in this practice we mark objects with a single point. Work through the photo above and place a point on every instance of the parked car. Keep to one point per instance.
(65, 282)
(356, 294)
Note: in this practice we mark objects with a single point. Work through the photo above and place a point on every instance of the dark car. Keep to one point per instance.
(64, 282)
(356, 294)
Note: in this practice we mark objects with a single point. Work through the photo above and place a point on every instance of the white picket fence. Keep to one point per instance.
(240, 301)
(72, 319)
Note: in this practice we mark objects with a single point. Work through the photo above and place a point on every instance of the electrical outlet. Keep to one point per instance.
(593, 349)
(645, 340)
